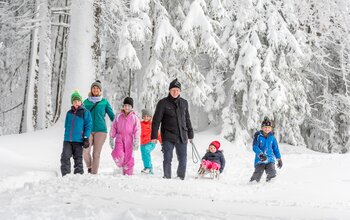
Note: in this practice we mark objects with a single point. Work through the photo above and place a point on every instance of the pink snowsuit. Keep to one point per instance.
(126, 131)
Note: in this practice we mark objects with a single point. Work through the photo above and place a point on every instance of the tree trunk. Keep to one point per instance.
(44, 77)
(80, 63)
(97, 44)
(28, 102)
(61, 69)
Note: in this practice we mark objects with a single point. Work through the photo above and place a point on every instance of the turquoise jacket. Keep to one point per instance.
(98, 114)
(77, 124)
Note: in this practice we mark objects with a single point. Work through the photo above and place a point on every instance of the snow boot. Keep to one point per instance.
(147, 171)
(269, 178)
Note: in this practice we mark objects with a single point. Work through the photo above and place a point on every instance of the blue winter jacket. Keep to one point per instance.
(78, 124)
(266, 145)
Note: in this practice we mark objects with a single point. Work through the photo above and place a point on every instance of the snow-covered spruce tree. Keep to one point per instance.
(125, 26)
(113, 15)
(197, 30)
(216, 78)
(183, 45)
(327, 27)
(165, 45)
(266, 80)
(288, 89)
(15, 50)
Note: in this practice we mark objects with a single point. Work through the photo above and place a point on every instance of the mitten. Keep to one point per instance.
(262, 157)
(136, 144)
(86, 143)
(279, 163)
(111, 142)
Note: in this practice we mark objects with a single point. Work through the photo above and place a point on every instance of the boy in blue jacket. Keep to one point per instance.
(78, 125)
(266, 150)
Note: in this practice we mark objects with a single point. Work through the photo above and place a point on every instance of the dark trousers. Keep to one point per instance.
(70, 149)
(269, 168)
(181, 152)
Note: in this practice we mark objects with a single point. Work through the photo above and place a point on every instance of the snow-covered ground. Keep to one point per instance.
(309, 186)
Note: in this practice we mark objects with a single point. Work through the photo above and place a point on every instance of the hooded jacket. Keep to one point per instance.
(78, 124)
(266, 145)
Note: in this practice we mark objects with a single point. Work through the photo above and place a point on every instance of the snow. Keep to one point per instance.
(309, 186)
(196, 18)
(80, 63)
(138, 6)
(127, 53)
(167, 32)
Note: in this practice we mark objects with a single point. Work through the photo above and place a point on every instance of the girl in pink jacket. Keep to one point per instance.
(126, 131)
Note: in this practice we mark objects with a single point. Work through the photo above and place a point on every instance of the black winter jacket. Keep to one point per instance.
(217, 157)
(174, 118)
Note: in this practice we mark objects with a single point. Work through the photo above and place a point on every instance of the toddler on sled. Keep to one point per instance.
(213, 161)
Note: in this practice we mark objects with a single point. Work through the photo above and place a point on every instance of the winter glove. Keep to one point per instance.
(262, 157)
(111, 142)
(136, 145)
(86, 143)
(279, 163)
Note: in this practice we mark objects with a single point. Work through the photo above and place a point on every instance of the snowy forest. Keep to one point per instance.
(237, 60)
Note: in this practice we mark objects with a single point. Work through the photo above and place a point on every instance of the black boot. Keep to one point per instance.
(269, 178)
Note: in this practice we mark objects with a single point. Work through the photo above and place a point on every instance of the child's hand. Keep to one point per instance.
(262, 157)
(86, 143)
(136, 145)
(111, 142)
(279, 163)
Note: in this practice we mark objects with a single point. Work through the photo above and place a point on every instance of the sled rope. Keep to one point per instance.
(195, 154)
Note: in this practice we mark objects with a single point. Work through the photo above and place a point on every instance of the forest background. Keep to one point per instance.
(238, 61)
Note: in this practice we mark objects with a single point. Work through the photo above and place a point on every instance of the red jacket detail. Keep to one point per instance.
(146, 130)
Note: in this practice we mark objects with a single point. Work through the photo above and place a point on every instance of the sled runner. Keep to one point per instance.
(212, 174)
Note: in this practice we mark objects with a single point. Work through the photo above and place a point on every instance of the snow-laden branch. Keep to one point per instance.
(8, 110)
(60, 9)
(61, 24)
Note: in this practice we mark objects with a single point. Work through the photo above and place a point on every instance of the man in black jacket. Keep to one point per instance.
(176, 129)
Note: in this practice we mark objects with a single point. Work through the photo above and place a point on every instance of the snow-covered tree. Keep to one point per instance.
(27, 113)
(327, 71)
(80, 63)
(44, 116)
(197, 30)
(266, 78)
(166, 43)
(15, 37)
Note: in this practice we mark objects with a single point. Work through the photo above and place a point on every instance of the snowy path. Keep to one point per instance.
(310, 186)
